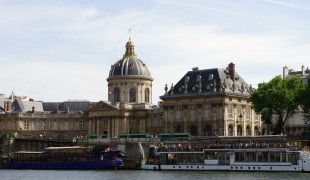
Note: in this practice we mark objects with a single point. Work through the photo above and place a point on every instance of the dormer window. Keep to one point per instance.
(198, 78)
(210, 77)
(208, 87)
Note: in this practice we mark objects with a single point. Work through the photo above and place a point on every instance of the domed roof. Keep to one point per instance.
(129, 66)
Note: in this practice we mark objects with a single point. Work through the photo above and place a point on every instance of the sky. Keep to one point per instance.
(59, 50)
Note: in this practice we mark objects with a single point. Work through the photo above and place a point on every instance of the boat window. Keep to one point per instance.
(262, 156)
(250, 156)
(239, 156)
(284, 157)
(211, 155)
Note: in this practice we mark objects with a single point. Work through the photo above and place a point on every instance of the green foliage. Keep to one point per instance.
(279, 96)
(305, 99)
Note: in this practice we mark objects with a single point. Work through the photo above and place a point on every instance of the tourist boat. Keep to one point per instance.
(76, 157)
(228, 159)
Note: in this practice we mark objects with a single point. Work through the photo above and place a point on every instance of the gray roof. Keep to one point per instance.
(129, 66)
(26, 106)
(75, 106)
(208, 81)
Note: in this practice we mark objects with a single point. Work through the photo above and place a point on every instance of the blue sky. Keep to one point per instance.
(62, 50)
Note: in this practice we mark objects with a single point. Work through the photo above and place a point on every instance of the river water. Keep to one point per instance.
(144, 175)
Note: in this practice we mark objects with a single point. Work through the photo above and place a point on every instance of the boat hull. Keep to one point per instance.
(202, 167)
(113, 164)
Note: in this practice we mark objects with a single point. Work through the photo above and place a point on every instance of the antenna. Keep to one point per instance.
(129, 33)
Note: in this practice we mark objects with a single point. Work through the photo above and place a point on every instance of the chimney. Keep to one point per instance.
(285, 72)
(195, 68)
(231, 70)
(33, 109)
(67, 109)
(302, 70)
(5, 106)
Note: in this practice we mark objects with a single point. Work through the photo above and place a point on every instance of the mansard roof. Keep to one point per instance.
(76, 106)
(208, 82)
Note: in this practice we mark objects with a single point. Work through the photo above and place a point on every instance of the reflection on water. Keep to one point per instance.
(147, 175)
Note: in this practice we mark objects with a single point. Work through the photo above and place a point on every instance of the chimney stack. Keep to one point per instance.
(285, 71)
(67, 109)
(231, 71)
(302, 70)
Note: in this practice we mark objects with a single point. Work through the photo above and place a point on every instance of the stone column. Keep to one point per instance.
(243, 121)
(165, 120)
(172, 117)
(225, 116)
(199, 118)
(186, 118)
(235, 133)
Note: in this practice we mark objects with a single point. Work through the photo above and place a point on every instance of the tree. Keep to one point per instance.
(280, 97)
(305, 101)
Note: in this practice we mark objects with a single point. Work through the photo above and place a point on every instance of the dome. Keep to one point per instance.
(130, 66)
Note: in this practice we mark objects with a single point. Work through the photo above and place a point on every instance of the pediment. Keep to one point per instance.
(102, 106)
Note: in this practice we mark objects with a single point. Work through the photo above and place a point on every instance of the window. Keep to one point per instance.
(178, 112)
(37, 124)
(239, 131)
(248, 131)
(132, 95)
(255, 116)
(193, 112)
(256, 131)
(60, 125)
(230, 111)
(230, 130)
(152, 122)
(83, 125)
(147, 95)
(248, 113)
(116, 95)
(47, 124)
(72, 125)
(26, 125)
(4, 125)
(207, 111)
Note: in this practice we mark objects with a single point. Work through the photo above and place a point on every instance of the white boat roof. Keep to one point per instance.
(29, 152)
(67, 147)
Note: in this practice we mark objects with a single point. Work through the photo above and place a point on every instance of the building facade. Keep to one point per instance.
(25, 118)
(130, 98)
(208, 102)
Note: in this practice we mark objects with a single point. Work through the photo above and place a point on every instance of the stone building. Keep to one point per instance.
(130, 98)
(210, 102)
(25, 118)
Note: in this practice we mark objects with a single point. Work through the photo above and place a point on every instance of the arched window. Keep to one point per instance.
(194, 131)
(147, 95)
(116, 95)
(132, 95)
(256, 131)
(248, 131)
(230, 130)
(208, 130)
(179, 129)
(239, 130)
